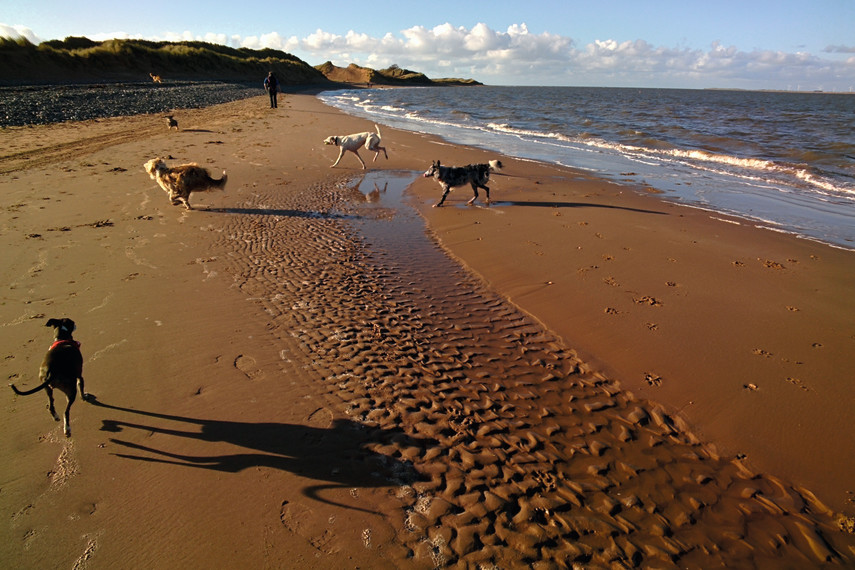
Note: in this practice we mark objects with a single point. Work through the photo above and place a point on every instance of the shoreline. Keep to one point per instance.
(793, 195)
(212, 428)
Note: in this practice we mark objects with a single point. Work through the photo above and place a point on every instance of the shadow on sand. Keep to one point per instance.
(573, 205)
(339, 454)
(278, 212)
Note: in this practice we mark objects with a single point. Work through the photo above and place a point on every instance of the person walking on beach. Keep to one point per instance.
(272, 86)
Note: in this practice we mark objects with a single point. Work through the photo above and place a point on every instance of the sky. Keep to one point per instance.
(746, 44)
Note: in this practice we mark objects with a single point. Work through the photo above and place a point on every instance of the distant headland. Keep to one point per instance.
(392, 75)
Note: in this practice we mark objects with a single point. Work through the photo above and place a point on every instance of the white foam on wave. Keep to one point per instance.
(695, 158)
(725, 220)
(505, 128)
(742, 167)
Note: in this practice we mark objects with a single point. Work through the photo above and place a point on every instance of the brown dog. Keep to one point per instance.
(62, 369)
(179, 181)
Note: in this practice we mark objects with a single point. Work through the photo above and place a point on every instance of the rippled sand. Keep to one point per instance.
(507, 450)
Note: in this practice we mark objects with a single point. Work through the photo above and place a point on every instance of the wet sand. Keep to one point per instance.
(296, 375)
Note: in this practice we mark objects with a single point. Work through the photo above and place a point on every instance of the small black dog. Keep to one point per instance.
(62, 369)
(477, 175)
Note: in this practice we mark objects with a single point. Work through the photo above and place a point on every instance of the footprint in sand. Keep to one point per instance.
(652, 379)
(21, 513)
(321, 417)
(797, 382)
(300, 520)
(292, 515)
(131, 253)
(66, 465)
(30, 537)
(88, 552)
(247, 365)
(84, 509)
(769, 264)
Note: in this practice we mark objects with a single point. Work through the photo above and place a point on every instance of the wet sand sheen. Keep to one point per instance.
(504, 447)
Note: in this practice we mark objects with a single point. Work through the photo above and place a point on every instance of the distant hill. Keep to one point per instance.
(393, 75)
(81, 60)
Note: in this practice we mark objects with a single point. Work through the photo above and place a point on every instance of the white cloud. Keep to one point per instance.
(518, 56)
(118, 36)
(16, 32)
(481, 38)
(323, 41)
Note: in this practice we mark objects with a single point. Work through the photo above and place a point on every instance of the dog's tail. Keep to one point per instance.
(221, 183)
(378, 130)
(495, 164)
(28, 392)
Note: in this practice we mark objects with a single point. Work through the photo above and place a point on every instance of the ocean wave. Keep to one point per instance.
(695, 158)
(507, 129)
(690, 157)
(754, 169)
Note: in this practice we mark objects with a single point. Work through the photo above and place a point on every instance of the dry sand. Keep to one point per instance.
(294, 375)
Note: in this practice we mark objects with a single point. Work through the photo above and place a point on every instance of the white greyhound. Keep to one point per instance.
(354, 142)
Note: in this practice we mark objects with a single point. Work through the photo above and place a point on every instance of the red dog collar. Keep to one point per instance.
(57, 343)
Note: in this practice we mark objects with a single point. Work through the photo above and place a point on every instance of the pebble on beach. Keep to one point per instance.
(43, 104)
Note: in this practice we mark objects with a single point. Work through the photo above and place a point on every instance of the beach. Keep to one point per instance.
(299, 373)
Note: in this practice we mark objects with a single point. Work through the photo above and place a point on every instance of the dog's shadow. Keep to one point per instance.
(276, 212)
(340, 454)
(547, 204)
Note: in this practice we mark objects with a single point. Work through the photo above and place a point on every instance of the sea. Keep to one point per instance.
(784, 161)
